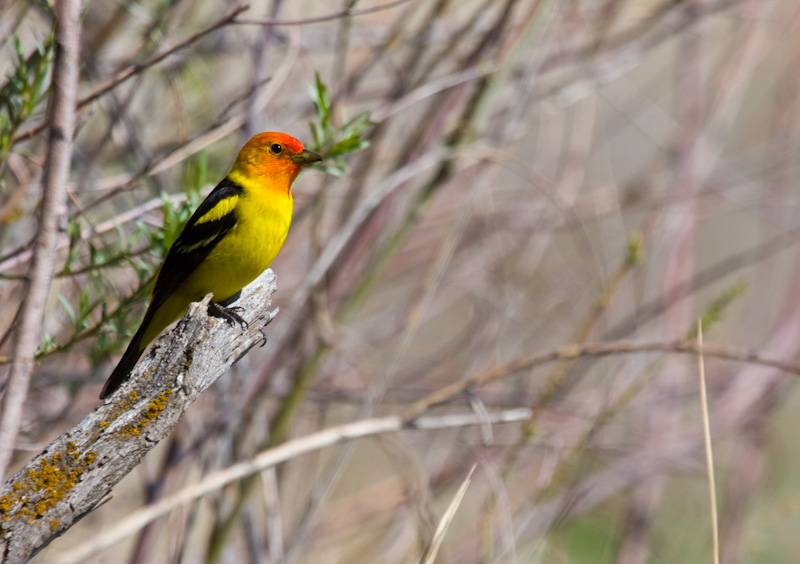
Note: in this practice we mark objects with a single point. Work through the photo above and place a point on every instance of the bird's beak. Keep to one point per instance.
(305, 157)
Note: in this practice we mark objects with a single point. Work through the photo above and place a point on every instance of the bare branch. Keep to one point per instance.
(571, 352)
(77, 470)
(349, 12)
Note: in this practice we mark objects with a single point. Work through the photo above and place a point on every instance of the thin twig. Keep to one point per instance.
(349, 12)
(571, 352)
(712, 488)
(436, 543)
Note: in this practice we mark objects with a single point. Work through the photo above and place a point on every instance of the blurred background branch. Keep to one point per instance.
(52, 212)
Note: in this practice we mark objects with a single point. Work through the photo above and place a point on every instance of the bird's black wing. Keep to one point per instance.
(210, 222)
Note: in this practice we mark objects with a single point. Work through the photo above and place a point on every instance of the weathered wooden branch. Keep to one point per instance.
(78, 470)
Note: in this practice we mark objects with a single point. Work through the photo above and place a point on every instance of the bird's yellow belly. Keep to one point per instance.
(242, 254)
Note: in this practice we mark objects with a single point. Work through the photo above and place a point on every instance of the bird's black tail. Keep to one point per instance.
(123, 370)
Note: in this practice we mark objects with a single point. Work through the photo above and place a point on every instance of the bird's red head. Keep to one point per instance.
(274, 156)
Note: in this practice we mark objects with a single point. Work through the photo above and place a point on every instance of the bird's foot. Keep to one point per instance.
(229, 314)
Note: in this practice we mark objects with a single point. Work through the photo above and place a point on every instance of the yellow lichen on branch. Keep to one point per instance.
(44, 486)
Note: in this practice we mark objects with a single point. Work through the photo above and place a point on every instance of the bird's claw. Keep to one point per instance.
(229, 314)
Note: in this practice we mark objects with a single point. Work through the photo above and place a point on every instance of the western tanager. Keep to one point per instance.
(231, 238)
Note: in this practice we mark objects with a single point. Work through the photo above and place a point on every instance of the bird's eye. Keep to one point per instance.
(275, 149)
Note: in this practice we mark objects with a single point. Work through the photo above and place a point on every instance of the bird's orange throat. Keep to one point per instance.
(265, 180)
(253, 168)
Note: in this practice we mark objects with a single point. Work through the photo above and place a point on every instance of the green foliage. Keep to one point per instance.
(115, 326)
(48, 346)
(714, 312)
(91, 316)
(24, 90)
(196, 179)
(175, 218)
(635, 253)
(332, 141)
(176, 215)
(591, 540)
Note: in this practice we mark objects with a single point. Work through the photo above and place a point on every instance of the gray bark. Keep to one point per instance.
(78, 470)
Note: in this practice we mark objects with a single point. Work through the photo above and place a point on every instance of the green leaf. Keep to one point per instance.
(331, 140)
(84, 305)
(47, 345)
(69, 308)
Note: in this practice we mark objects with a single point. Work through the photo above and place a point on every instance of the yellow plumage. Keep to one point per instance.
(234, 235)
(244, 253)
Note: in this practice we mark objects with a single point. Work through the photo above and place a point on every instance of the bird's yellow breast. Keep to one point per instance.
(263, 215)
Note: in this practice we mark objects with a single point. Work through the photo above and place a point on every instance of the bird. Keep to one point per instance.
(230, 239)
